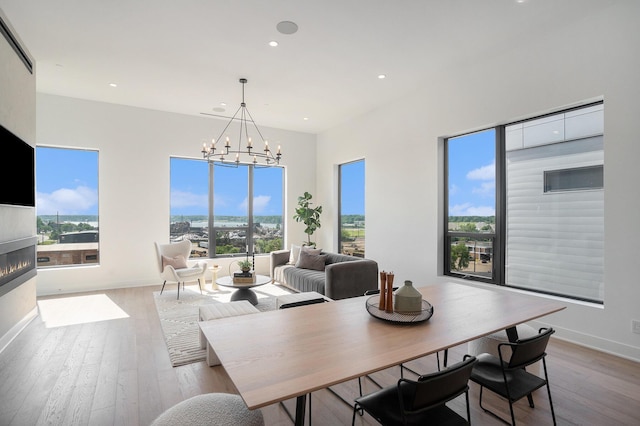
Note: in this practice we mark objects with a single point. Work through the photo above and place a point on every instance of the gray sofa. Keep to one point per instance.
(343, 276)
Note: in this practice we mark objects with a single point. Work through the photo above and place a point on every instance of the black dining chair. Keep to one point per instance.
(422, 401)
(508, 377)
(296, 304)
(402, 366)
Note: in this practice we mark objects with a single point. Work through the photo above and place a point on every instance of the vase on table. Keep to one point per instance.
(407, 299)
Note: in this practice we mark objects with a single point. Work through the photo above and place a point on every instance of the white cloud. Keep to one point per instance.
(486, 189)
(483, 173)
(453, 189)
(260, 203)
(467, 209)
(181, 199)
(67, 201)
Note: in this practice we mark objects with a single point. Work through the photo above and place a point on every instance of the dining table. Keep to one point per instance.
(282, 354)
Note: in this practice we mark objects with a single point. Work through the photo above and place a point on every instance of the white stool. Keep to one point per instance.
(221, 310)
(489, 344)
(221, 409)
(299, 299)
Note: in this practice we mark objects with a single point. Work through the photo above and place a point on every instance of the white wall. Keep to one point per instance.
(134, 149)
(17, 114)
(593, 58)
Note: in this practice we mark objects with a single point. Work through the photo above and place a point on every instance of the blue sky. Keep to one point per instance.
(66, 181)
(67, 184)
(472, 179)
(352, 188)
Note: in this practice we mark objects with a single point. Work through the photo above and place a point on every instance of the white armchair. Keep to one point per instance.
(172, 262)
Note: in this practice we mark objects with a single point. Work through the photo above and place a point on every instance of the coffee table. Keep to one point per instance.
(243, 291)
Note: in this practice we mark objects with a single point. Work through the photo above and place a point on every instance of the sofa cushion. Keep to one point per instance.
(304, 279)
(307, 260)
(294, 254)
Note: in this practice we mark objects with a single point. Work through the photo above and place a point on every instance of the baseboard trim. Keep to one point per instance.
(17, 329)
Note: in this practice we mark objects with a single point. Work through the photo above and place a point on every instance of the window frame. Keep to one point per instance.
(248, 229)
(86, 254)
(340, 190)
(499, 237)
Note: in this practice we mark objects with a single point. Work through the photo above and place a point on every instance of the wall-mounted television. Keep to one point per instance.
(17, 171)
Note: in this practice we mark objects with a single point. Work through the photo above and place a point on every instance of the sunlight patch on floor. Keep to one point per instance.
(73, 310)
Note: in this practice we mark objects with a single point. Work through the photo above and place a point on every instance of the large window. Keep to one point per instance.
(246, 205)
(542, 225)
(351, 231)
(67, 206)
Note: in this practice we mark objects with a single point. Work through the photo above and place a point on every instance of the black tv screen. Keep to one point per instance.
(17, 171)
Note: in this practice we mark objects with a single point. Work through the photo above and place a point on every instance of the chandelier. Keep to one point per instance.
(245, 153)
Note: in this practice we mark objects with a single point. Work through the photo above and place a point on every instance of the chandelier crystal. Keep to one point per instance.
(245, 153)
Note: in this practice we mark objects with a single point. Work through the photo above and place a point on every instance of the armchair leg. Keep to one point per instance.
(178, 290)
(162, 289)
(200, 285)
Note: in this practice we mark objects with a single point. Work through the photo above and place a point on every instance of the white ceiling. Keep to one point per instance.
(187, 56)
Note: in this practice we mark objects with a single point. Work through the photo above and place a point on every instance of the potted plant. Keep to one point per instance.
(244, 265)
(308, 215)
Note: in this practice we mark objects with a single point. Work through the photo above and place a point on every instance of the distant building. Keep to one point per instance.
(79, 237)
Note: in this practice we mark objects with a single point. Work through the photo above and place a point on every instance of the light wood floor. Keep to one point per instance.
(117, 372)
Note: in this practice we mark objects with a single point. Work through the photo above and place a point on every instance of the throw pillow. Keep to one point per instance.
(178, 262)
(311, 261)
(310, 250)
(294, 253)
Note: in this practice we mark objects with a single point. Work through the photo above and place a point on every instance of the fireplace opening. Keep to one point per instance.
(17, 263)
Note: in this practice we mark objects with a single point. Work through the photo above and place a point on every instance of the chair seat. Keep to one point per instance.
(489, 373)
(189, 272)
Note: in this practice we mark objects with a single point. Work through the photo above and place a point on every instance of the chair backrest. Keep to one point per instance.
(527, 351)
(172, 250)
(436, 388)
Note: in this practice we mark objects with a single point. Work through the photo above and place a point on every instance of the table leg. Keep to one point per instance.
(512, 334)
(245, 294)
(214, 278)
(300, 407)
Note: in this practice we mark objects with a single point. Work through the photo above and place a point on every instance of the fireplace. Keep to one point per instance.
(17, 263)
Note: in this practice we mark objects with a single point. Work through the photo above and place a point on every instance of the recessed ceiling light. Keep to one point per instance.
(113, 85)
(223, 104)
(287, 27)
(306, 118)
(273, 43)
(382, 76)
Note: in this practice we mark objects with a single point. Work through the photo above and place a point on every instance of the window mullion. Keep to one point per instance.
(250, 248)
(501, 208)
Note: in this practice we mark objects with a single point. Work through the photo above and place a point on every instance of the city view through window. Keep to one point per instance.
(471, 191)
(244, 198)
(352, 217)
(546, 231)
(67, 206)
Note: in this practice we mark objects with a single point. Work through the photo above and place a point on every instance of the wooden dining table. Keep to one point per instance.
(277, 355)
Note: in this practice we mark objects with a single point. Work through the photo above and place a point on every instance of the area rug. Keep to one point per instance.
(179, 317)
